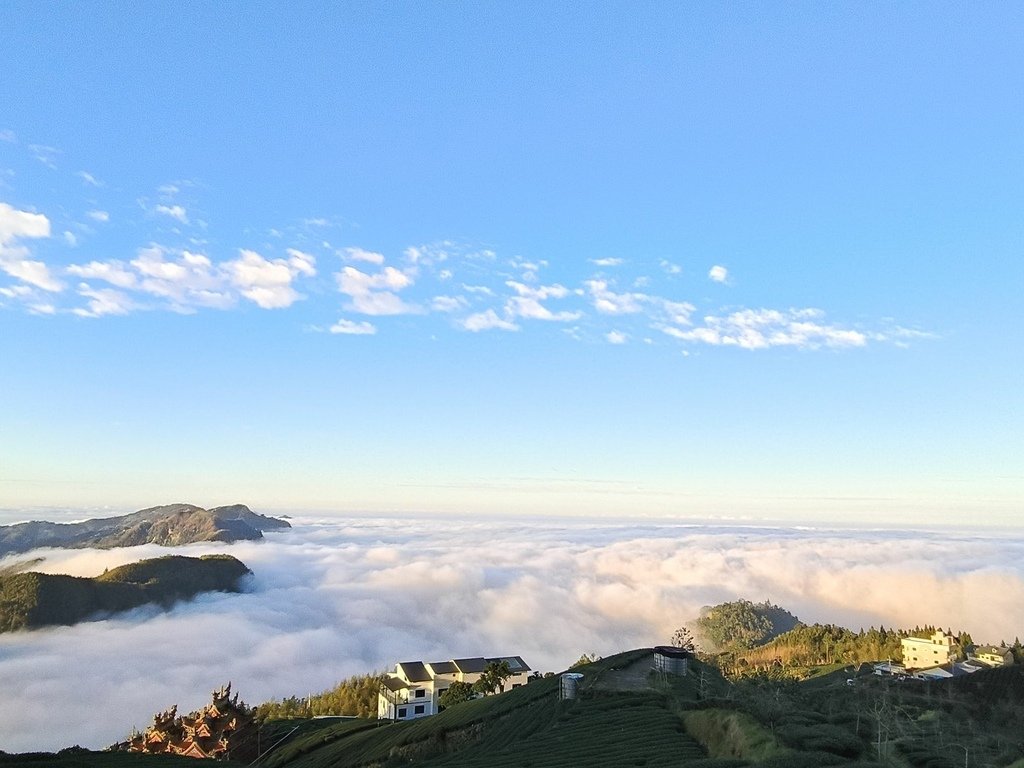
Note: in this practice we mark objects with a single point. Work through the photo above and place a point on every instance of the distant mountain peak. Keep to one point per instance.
(169, 525)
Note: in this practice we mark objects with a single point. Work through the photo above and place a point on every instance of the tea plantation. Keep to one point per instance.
(697, 721)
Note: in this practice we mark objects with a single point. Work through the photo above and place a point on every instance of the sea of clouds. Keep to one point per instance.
(336, 597)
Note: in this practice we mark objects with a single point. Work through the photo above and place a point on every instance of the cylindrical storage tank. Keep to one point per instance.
(674, 661)
(568, 685)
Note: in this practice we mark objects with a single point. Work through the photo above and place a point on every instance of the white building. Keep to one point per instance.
(887, 668)
(928, 652)
(993, 655)
(414, 688)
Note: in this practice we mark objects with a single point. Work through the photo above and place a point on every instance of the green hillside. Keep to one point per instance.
(526, 726)
(742, 624)
(624, 715)
(627, 715)
(30, 600)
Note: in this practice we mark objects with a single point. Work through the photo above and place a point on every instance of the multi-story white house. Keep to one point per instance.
(414, 688)
(928, 652)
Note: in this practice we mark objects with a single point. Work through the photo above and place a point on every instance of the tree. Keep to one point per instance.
(682, 638)
(584, 659)
(456, 693)
(493, 677)
(741, 624)
(355, 696)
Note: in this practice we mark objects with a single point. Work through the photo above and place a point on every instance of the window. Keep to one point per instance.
(420, 693)
(418, 710)
(401, 711)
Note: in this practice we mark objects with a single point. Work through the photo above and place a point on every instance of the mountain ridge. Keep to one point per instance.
(168, 525)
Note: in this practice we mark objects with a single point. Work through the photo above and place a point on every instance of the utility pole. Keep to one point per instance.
(965, 752)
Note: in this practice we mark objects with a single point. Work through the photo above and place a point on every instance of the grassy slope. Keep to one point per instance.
(728, 733)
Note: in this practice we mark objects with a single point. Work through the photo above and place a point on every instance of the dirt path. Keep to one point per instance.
(629, 678)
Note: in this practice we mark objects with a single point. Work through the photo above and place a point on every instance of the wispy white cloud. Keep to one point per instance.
(101, 216)
(441, 251)
(354, 282)
(45, 154)
(608, 302)
(16, 291)
(901, 337)
(415, 254)
(359, 254)
(176, 212)
(379, 303)
(34, 272)
(268, 282)
(616, 337)
(677, 312)
(8, 136)
(527, 304)
(448, 303)
(528, 269)
(185, 279)
(540, 292)
(718, 273)
(669, 268)
(488, 320)
(17, 225)
(765, 328)
(607, 262)
(104, 301)
(352, 328)
(375, 294)
(114, 272)
(301, 262)
(89, 179)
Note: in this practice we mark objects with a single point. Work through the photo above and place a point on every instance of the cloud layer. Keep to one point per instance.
(333, 598)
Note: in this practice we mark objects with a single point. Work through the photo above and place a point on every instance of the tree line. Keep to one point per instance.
(355, 696)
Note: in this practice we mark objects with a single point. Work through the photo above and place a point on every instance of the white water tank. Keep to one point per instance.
(568, 685)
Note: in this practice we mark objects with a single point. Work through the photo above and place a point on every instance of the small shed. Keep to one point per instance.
(672, 660)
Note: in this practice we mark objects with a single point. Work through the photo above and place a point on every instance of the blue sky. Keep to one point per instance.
(627, 258)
